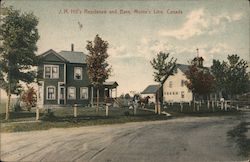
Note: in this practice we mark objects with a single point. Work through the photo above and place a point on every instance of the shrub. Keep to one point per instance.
(50, 116)
(126, 113)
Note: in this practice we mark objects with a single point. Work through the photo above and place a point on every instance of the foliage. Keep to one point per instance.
(231, 76)
(127, 96)
(18, 35)
(200, 81)
(29, 97)
(163, 67)
(98, 67)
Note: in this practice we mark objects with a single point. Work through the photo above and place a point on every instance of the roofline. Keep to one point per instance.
(54, 52)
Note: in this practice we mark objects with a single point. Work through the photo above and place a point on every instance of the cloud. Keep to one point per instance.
(200, 22)
(148, 48)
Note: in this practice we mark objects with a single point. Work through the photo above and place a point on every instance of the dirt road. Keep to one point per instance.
(182, 139)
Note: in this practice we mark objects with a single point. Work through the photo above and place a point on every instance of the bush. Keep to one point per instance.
(126, 113)
(50, 116)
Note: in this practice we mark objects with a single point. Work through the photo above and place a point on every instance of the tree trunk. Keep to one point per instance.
(97, 100)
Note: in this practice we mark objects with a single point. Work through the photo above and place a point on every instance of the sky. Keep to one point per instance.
(137, 30)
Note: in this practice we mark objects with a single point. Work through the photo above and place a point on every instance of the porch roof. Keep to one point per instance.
(112, 84)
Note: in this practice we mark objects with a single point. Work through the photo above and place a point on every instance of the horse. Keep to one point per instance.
(144, 101)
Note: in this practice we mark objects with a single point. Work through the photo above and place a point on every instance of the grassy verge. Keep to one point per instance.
(63, 117)
(238, 134)
(86, 120)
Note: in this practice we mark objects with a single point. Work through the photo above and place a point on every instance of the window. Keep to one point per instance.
(84, 93)
(71, 93)
(170, 84)
(51, 71)
(78, 73)
(182, 83)
(51, 93)
(182, 94)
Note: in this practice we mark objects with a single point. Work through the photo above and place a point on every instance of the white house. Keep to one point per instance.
(174, 88)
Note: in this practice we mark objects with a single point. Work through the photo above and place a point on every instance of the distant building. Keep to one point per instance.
(175, 89)
(151, 91)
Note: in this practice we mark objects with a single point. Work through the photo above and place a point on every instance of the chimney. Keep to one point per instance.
(72, 47)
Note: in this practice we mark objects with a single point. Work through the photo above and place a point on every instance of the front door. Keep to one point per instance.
(61, 95)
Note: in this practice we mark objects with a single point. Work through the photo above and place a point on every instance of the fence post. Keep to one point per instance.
(107, 110)
(181, 106)
(75, 110)
(213, 105)
(135, 107)
(208, 104)
(159, 107)
(226, 105)
(190, 103)
(222, 105)
(237, 107)
(37, 113)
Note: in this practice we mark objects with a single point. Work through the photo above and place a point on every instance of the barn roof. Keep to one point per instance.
(151, 89)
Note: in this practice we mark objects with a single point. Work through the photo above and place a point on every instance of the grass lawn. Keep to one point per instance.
(63, 117)
(238, 134)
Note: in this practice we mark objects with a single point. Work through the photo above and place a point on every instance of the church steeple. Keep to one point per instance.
(198, 61)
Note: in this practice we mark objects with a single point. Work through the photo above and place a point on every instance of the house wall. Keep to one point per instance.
(174, 93)
(51, 82)
(84, 82)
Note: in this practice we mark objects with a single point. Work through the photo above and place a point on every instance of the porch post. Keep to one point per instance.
(115, 92)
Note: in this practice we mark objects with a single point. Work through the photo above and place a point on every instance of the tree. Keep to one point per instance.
(163, 69)
(29, 98)
(231, 76)
(18, 36)
(98, 67)
(127, 96)
(200, 81)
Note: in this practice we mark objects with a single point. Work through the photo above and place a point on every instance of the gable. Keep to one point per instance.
(52, 56)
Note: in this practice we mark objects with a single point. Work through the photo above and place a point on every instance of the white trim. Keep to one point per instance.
(47, 97)
(64, 73)
(81, 93)
(68, 94)
(78, 67)
(51, 73)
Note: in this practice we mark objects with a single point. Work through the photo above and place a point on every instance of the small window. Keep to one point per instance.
(71, 93)
(47, 72)
(176, 93)
(51, 93)
(169, 93)
(78, 73)
(170, 84)
(51, 71)
(182, 83)
(84, 93)
(182, 94)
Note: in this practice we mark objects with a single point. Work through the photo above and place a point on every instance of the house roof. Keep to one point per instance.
(150, 89)
(73, 56)
(182, 67)
(53, 52)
